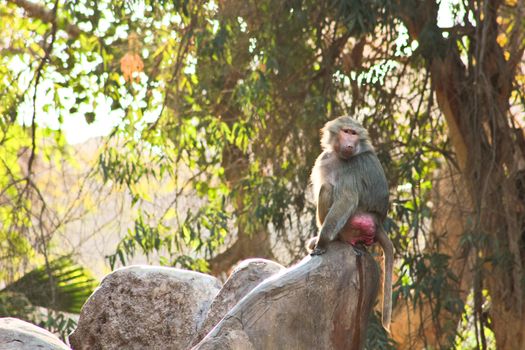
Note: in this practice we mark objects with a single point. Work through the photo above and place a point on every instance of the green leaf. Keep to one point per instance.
(62, 285)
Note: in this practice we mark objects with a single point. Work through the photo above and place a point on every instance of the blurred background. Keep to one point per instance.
(183, 133)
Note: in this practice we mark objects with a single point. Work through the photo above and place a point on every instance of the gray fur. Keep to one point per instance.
(346, 186)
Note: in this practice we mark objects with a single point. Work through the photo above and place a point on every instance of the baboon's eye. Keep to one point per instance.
(349, 131)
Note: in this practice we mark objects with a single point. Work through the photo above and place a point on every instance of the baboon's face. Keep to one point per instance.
(346, 142)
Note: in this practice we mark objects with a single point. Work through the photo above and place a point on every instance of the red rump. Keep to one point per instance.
(364, 225)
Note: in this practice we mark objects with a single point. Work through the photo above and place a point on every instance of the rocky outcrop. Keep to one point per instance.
(145, 307)
(246, 276)
(16, 334)
(323, 302)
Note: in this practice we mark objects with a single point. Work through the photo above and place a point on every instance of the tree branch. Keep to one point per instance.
(42, 13)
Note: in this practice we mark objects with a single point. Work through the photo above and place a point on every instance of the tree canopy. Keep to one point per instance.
(218, 105)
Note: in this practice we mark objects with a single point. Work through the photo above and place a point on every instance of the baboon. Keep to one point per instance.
(352, 196)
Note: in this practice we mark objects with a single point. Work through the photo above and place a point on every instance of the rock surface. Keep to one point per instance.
(323, 302)
(231, 340)
(246, 276)
(145, 307)
(16, 334)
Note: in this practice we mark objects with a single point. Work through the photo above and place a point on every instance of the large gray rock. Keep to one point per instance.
(16, 334)
(145, 307)
(324, 302)
(246, 276)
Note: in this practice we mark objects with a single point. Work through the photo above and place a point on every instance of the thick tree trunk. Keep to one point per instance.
(323, 302)
(251, 242)
(245, 246)
(417, 326)
(487, 156)
(474, 99)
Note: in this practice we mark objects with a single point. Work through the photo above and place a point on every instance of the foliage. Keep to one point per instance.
(48, 295)
(376, 336)
(60, 285)
(224, 100)
(58, 323)
(17, 305)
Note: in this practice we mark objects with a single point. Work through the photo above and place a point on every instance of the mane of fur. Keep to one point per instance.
(329, 167)
(330, 130)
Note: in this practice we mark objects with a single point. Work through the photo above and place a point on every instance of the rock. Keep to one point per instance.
(232, 340)
(323, 302)
(145, 307)
(246, 276)
(16, 334)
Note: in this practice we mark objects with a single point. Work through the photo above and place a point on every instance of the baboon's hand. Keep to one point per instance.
(318, 251)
